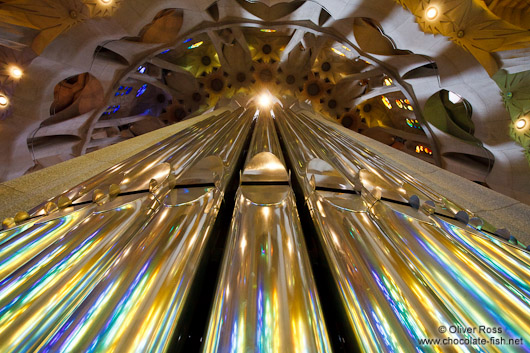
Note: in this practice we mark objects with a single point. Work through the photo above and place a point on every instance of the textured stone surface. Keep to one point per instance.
(25, 192)
(11, 201)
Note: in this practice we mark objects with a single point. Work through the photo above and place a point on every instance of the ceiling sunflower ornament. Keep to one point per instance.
(187, 90)
(216, 86)
(315, 89)
(51, 17)
(336, 104)
(328, 65)
(515, 91)
(102, 8)
(240, 80)
(352, 121)
(174, 113)
(291, 82)
(202, 60)
(266, 50)
(374, 113)
(266, 76)
(195, 100)
(239, 67)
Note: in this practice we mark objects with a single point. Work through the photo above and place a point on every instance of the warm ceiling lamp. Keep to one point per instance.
(15, 72)
(520, 124)
(454, 98)
(106, 2)
(3, 101)
(265, 100)
(431, 13)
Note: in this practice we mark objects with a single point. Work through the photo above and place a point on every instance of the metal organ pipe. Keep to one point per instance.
(403, 274)
(179, 151)
(109, 264)
(266, 299)
(114, 275)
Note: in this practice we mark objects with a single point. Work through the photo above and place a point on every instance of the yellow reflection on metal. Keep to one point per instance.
(402, 273)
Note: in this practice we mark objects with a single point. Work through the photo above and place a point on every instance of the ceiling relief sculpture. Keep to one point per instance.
(471, 25)
(49, 17)
(370, 71)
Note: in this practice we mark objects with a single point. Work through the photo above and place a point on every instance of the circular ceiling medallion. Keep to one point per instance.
(326, 66)
(206, 61)
(267, 49)
(217, 84)
(347, 121)
(196, 96)
(313, 89)
(241, 77)
(332, 104)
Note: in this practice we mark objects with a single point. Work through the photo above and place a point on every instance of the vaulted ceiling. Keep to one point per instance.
(444, 80)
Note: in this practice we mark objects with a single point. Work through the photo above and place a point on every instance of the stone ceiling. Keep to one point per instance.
(446, 81)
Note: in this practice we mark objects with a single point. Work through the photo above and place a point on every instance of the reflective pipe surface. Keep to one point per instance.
(405, 184)
(266, 299)
(264, 138)
(111, 276)
(114, 274)
(264, 162)
(397, 184)
(178, 150)
(405, 275)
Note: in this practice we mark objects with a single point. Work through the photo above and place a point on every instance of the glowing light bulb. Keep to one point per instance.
(520, 124)
(3, 100)
(265, 100)
(16, 72)
(454, 98)
(106, 2)
(431, 13)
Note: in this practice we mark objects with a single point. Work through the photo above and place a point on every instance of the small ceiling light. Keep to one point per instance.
(106, 2)
(431, 13)
(3, 101)
(454, 98)
(520, 124)
(265, 100)
(15, 72)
